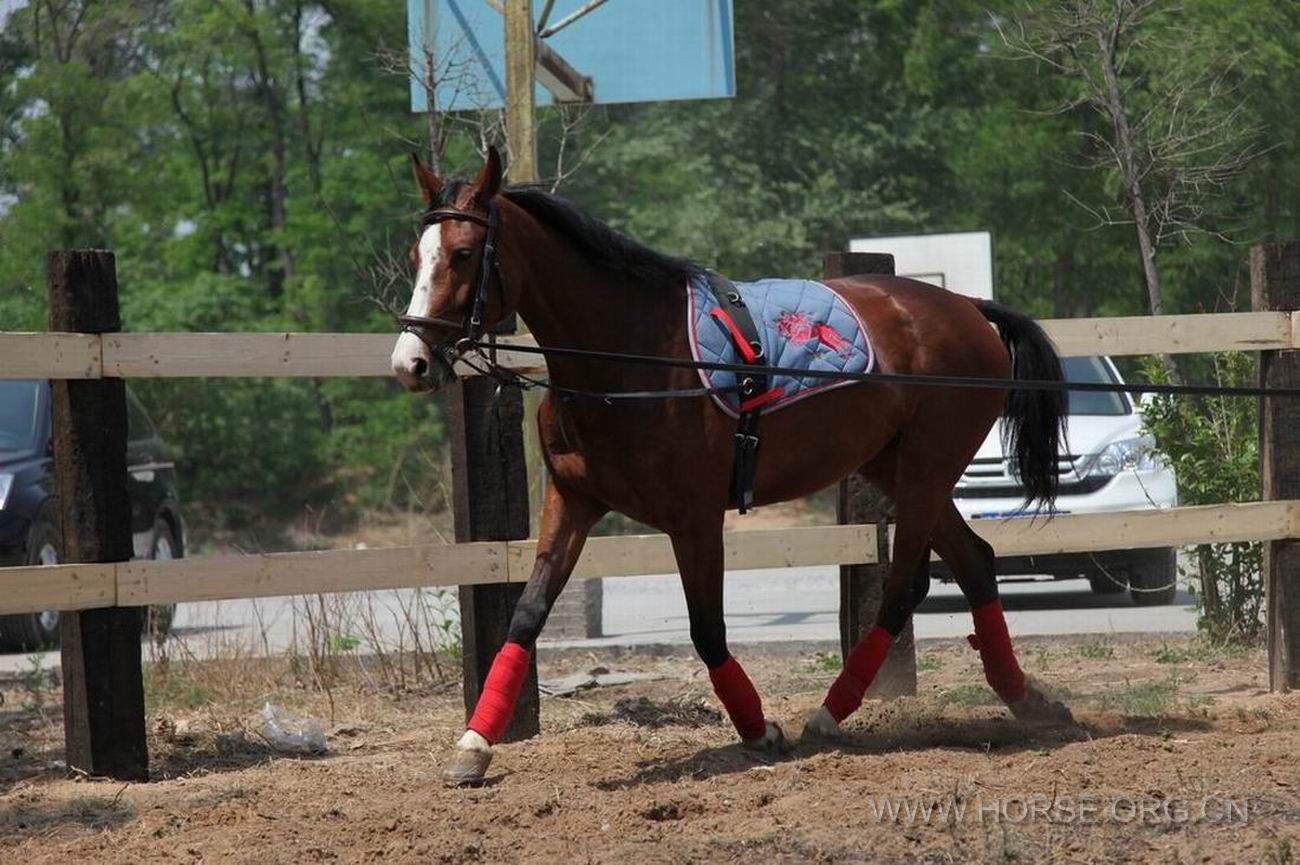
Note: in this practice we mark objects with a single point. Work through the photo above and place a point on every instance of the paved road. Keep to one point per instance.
(765, 605)
(803, 604)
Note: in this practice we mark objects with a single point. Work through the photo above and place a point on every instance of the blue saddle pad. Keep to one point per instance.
(801, 323)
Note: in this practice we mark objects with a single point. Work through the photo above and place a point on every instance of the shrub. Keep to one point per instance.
(1212, 444)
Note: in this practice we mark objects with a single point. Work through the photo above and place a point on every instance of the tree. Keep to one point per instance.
(1174, 132)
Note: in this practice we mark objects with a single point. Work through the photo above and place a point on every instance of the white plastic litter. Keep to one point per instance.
(290, 733)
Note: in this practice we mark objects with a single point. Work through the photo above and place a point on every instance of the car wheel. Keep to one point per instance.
(159, 617)
(1154, 577)
(1107, 582)
(30, 632)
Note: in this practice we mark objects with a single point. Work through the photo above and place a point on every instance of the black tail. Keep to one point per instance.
(1034, 420)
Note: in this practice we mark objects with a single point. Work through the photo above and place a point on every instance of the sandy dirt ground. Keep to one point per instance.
(1179, 754)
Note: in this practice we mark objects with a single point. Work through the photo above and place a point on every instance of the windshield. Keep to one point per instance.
(18, 418)
(1092, 369)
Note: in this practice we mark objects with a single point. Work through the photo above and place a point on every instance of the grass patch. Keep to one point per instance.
(1200, 650)
(1095, 650)
(167, 690)
(969, 695)
(929, 663)
(1151, 699)
(825, 662)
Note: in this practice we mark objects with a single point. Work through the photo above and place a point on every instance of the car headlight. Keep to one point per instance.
(6, 484)
(1135, 454)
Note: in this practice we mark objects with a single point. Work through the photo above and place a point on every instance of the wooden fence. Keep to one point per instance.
(106, 585)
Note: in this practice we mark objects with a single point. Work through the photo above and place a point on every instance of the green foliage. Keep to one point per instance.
(232, 156)
(247, 163)
(1212, 445)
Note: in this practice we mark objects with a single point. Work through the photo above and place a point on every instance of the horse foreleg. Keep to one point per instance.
(699, 555)
(566, 519)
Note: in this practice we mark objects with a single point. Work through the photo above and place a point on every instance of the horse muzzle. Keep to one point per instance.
(418, 368)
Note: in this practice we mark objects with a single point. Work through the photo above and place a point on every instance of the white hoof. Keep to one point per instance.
(469, 762)
(472, 741)
(773, 739)
(822, 725)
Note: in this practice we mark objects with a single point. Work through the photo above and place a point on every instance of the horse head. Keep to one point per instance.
(458, 292)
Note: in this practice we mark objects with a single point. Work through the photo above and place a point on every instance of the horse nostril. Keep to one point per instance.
(419, 367)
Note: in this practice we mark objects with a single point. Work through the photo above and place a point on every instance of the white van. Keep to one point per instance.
(1108, 464)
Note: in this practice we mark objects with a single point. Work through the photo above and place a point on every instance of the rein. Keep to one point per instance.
(472, 333)
(892, 377)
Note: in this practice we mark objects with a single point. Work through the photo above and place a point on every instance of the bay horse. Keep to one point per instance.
(485, 251)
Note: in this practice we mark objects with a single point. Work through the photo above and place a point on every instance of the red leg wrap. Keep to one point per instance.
(860, 669)
(739, 698)
(994, 643)
(496, 705)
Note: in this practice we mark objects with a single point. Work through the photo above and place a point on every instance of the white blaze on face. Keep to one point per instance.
(410, 348)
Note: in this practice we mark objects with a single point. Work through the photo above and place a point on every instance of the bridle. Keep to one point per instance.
(471, 326)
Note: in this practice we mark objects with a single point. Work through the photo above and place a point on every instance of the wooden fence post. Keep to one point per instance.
(103, 685)
(861, 586)
(1275, 285)
(490, 486)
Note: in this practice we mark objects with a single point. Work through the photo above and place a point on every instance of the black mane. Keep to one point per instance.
(598, 242)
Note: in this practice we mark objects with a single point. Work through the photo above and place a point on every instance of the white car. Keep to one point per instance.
(1109, 465)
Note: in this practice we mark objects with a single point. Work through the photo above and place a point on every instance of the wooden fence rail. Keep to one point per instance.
(105, 714)
(324, 355)
(138, 583)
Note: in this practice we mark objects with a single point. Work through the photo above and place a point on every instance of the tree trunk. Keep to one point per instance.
(277, 190)
(1126, 159)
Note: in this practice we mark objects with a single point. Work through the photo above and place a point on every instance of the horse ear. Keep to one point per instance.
(430, 184)
(488, 182)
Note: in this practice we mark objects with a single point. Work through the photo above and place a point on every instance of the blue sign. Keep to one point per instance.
(633, 50)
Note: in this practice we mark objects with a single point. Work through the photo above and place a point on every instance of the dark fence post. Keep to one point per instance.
(1275, 285)
(103, 685)
(861, 586)
(490, 482)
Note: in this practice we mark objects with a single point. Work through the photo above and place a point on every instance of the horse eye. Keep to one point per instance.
(462, 254)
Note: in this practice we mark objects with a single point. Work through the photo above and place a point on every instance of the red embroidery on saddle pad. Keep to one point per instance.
(993, 641)
(739, 698)
(496, 705)
(831, 338)
(795, 326)
(798, 328)
(860, 669)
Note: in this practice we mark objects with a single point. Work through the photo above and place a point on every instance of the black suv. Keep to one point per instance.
(29, 532)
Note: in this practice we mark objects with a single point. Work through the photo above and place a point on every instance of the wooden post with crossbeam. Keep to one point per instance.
(521, 62)
(103, 685)
(861, 586)
(490, 491)
(489, 471)
(1275, 286)
(578, 611)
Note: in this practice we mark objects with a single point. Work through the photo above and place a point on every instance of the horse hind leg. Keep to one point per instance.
(974, 566)
(699, 553)
(917, 502)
